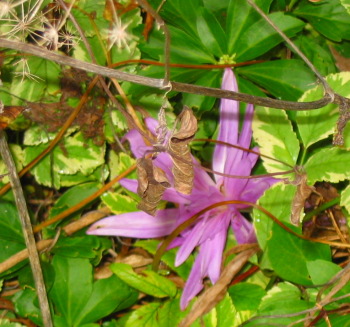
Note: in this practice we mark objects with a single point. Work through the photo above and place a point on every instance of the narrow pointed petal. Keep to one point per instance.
(136, 224)
(245, 137)
(242, 228)
(214, 249)
(228, 125)
(194, 283)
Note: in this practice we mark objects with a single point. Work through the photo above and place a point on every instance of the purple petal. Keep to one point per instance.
(137, 224)
(151, 124)
(256, 187)
(242, 228)
(137, 144)
(228, 125)
(194, 283)
(245, 137)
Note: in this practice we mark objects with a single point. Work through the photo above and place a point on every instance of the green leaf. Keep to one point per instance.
(77, 247)
(108, 295)
(7, 323)
(317, 50)
(225, 312)
(260, 37)
(203, 103)
(328, 164)
(274, 133)
(72, 287)
(346, 5)
(211, 33)
(289, 255)
(182, 14)
(166, 314)
(73, 196)
(25, 302)
(240, 16)
(345, 198)
(246, 296)
(168, 257)
(322, 271)
(149, 282)
(328, 17)
(11, 237)
(315, 125)
(286, 79)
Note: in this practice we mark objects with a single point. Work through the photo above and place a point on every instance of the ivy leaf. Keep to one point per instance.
(149, 282)
(328, 17)
(315, 125)
(272, 76)
(260, 37)
(279, 142)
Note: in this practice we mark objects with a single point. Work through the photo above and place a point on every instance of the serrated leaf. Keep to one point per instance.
(272, 76)
(72, 287)
(289, 254)
(345, 198)
(260, 37)
(329, 18)
(119, 203)
(149, 282)
(315, 125)
(246, 296)
(278, 201)
(274, 133)
(328, 164)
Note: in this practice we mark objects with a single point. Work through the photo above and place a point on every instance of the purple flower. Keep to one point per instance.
(210, 230)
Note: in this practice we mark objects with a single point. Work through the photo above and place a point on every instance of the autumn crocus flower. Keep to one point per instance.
(209, 232)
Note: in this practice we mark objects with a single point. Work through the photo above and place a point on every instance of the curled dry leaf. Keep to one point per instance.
(152, 184)
(180, 152)
(303, 192)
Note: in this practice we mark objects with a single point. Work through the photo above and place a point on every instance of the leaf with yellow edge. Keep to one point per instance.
(316, 125)
(330, 165)
(345, 198)
(274, 133)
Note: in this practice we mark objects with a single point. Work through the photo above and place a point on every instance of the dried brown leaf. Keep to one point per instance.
(152, 184)
(180, 152)
(303, 192)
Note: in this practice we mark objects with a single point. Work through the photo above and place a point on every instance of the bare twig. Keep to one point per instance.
(27, 230)
(159, 83)
(326, 86)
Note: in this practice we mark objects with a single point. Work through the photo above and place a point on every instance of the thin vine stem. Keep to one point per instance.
(159, 83)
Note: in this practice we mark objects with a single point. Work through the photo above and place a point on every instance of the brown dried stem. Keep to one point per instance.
(27, 230)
